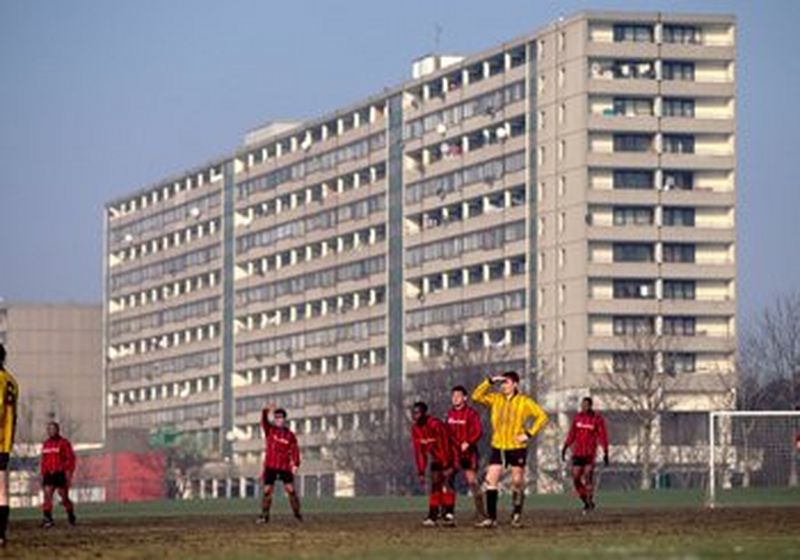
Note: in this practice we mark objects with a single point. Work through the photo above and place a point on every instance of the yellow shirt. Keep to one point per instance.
(9, 397)
(509, 416)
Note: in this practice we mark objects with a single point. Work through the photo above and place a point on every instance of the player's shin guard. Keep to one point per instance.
(491, 503)
(517, 500)
(477, 496)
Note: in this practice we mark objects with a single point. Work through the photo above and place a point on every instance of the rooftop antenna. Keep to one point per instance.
(437, 37)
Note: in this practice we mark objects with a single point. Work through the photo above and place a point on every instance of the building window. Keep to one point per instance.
(631, 69)
(677, 70)
(632, 142)
(679, 216)
(678, 107)
(633, 106)
(679, 289)
(682, 34)
(679, 362)
(681, 180)
(634, 289)
(679, 326)
(633, 216)
(679, 252)
(633, 362)
(631, 32)
(633, 252)
(632, 179)
(678, 144)
(633, 325)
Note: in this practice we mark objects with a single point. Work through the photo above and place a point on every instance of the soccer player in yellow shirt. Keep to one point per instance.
(516, 419)
(9, 395)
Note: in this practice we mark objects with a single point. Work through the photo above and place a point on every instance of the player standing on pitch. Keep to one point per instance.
(510, 412)
(431, 438)
(464, 425)
(58, 466)
(587, 432)
(9, 397)
(281, 461)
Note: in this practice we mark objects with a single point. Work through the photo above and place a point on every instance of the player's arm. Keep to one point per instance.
(420, 457)
(568, 441)
(69, 458)
(481, 394)
(602, 436)
(474, 429)
(539, 416)
(265, 423)
(295, 454)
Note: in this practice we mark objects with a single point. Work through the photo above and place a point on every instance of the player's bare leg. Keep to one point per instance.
(266, 503)
(588, 484)
(63, 493)
(517, 494)
(294, 500)
(471, 478)
(47, 507)
(493, 474)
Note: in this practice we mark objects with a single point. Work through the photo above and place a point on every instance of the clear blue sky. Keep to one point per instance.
(98, 98)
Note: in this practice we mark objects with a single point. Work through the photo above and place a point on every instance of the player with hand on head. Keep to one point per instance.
(464, 426)
(9, 399)
(281, 461)
(58, 466)
(588, 431)
(431, 439)
(511, 414)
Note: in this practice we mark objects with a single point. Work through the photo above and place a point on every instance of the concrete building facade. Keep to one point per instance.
(55, 352)
(536, 206)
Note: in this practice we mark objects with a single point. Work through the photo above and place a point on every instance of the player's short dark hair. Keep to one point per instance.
(461, 389)
(512, 375)
(589, 400)
(280, 412)
(54, 424)
(2, 355)
(419, 405)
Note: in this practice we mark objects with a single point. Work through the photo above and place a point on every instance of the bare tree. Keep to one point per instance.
(642, 382)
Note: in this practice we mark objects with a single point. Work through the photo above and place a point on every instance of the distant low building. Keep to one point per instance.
(55, 352)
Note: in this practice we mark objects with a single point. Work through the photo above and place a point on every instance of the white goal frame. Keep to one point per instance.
(712, 443)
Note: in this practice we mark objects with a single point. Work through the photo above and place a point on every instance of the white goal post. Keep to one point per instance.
(752, 449)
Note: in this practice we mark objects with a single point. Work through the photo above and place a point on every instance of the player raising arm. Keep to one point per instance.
(430, 439)
(588, 431)
(281, 461)
(511, 413)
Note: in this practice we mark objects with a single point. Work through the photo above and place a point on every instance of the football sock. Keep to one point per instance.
(491, 503)
(517, 499)
(294, 501)
(4, 513)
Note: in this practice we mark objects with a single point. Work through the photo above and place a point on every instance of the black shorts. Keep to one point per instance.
(582, 461)
(55, 479)
(440, 467)
(509, 457)
(271, 475)
(4, 458)
(468, 461)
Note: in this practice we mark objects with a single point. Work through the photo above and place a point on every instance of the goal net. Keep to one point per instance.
(754, 455)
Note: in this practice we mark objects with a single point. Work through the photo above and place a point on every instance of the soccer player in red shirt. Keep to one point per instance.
(281, 461)
(432, 440)
(58, 466)
(588, 431)
(464, 426)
